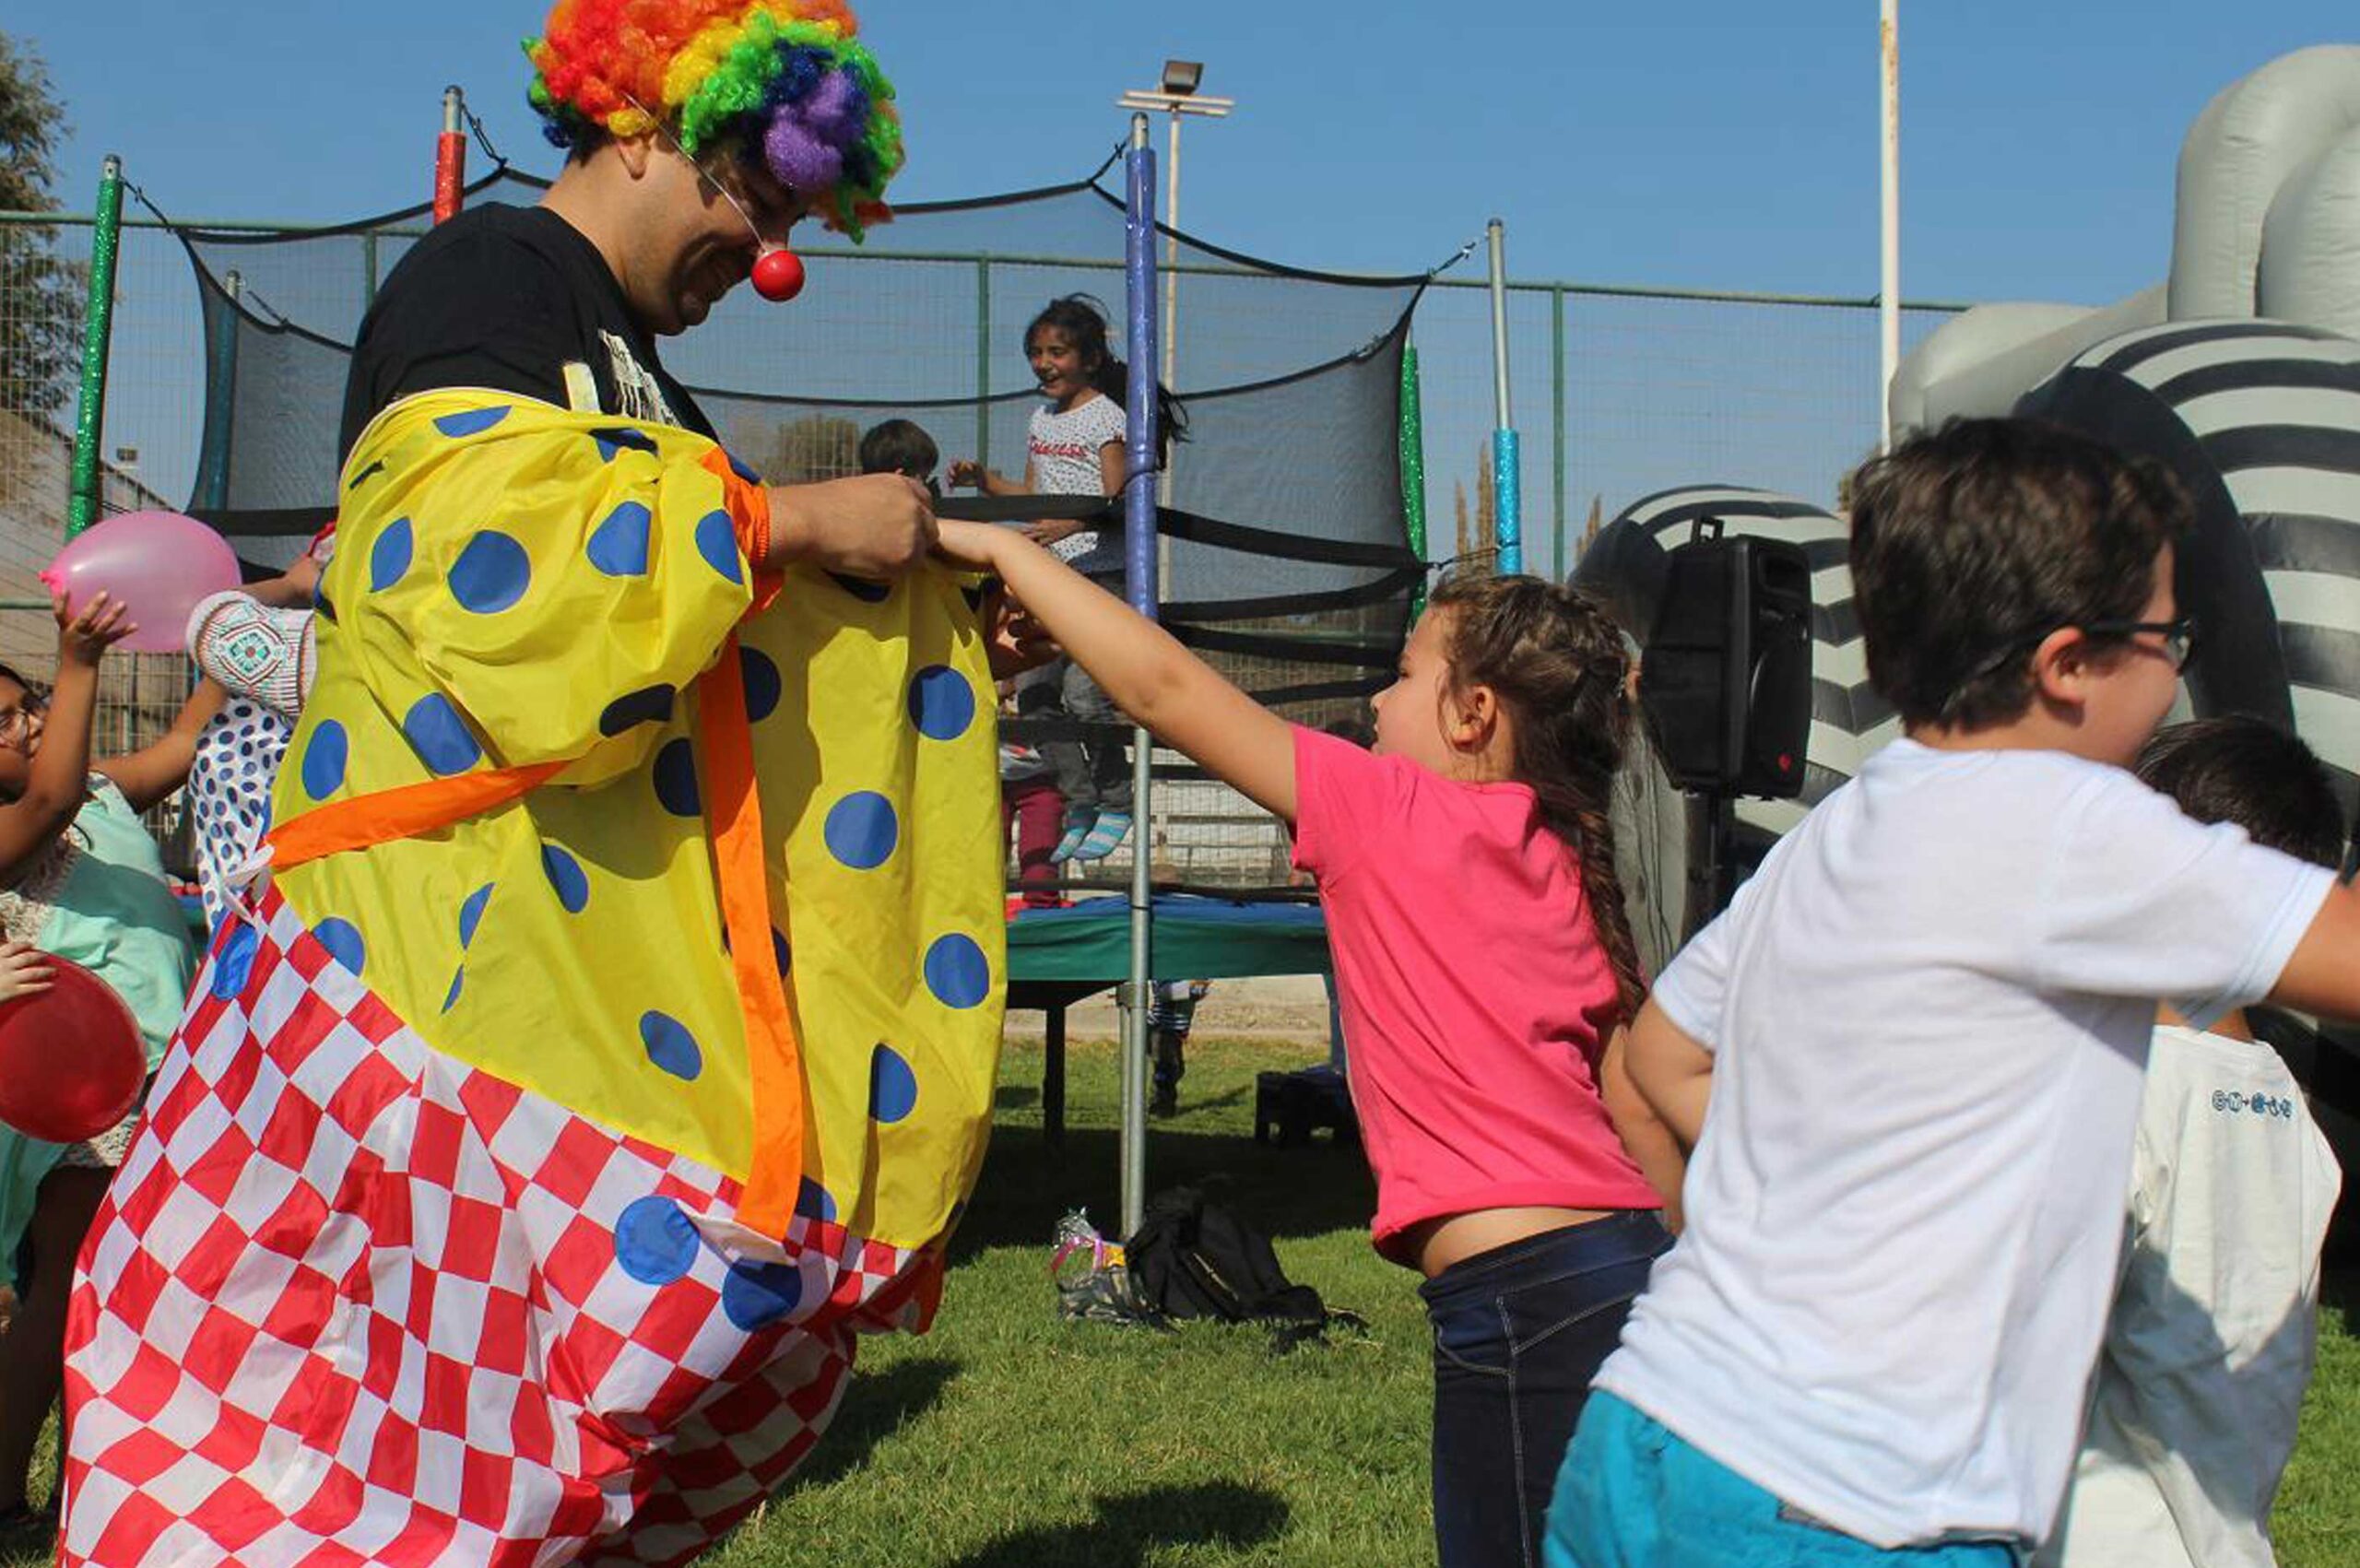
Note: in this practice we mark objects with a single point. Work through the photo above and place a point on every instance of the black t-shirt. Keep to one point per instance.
(509, 298)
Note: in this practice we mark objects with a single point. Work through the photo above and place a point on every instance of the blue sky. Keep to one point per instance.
(1715, 145)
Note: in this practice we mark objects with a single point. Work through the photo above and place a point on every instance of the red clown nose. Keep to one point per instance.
(778, 276)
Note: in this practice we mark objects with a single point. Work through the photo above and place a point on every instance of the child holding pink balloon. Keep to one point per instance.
(81, 879)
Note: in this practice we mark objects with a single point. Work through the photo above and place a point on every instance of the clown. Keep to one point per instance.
(612, 1038)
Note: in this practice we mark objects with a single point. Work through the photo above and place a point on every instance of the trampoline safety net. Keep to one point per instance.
(1286, 561)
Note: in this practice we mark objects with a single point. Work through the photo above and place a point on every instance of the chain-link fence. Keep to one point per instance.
(1617, 393)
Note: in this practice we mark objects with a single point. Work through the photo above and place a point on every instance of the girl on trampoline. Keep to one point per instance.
(1487, 972)
(1075, 446)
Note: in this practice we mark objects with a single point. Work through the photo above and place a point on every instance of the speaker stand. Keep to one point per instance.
(1711, 824)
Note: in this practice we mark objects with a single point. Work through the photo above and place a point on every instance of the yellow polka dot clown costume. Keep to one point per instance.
(614, 1038)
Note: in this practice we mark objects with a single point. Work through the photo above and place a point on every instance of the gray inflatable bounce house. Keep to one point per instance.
(2241, 372)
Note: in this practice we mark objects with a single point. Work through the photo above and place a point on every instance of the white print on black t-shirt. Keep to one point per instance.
(639, 394)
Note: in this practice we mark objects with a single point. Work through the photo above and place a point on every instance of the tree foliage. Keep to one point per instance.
(40, 292)
(817, 446)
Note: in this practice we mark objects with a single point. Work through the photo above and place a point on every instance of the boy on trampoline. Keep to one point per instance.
(1486, 969)
(1922, 1027)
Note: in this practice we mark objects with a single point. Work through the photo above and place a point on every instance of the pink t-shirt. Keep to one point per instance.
(1475, 996)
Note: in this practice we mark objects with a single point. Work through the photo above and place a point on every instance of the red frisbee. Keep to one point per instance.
(71, 1059)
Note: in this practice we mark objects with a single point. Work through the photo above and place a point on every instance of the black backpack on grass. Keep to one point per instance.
(1191, 1258)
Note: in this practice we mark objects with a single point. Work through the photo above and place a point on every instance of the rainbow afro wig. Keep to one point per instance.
(783, 81)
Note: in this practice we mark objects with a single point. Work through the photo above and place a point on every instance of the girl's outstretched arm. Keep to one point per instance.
(1137, 662)
(152, 773)
(58, 778)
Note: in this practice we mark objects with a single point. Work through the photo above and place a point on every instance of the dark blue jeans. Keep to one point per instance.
(1519, 1332)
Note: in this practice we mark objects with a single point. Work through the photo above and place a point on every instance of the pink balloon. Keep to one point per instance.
(158, 563)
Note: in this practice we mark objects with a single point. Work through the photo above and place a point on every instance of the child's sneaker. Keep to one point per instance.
(1105, 835)
(1079, 823)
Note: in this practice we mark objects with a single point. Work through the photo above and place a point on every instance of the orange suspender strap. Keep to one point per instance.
(402, 813)
(735, 816)
(773, 1052)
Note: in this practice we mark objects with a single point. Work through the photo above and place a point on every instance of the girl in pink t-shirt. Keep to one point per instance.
(1486, 972)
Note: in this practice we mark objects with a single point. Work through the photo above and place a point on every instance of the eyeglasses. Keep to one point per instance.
(16, 723)
(2179, 636)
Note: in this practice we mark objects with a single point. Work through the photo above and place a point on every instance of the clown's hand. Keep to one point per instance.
(876, 526)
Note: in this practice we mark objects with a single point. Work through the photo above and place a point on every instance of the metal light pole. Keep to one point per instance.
(1889, 213)
(1177, 98)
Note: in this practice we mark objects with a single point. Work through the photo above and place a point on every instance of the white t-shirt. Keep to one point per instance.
(1929, 1009)
(1064, 450)
(2209, 1346)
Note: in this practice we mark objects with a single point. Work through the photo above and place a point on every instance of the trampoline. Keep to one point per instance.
(1057, 956)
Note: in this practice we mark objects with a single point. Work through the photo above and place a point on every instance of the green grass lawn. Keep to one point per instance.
(1007, 1439)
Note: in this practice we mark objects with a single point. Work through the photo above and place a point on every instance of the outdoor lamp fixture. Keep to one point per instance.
(1181, 76)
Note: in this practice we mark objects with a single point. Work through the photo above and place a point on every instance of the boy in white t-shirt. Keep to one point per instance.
(1921, 1027)
(2209, 1345)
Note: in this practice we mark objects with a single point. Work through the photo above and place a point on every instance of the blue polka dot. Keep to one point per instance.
(451, 999)
(655, 1242)
(492, 573)
(815, 1202)
(324, 755)
(389, 557)
(565, 874)
(942, 703)
(234, 962)
(861, 831)
(439, 736)
(756, 1295)
(762, 684)
(622, 438)
(649, 704)
(861, 588)
(743, 472)
(717, 542)
(619, 546)
(956, 971)
(893, 1087)
(675, 779)
(343, 940)
(471, 914)
(474, 421)
(780, 951)
(670, 1045)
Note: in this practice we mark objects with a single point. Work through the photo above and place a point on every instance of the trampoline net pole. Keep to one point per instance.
(1140, 581)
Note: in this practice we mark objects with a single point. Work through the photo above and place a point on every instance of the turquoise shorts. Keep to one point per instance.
(1632, 1494)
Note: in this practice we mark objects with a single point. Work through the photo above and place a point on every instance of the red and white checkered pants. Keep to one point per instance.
(352, 1300)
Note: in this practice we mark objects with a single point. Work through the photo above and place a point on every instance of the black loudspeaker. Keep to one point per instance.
(1725, 682)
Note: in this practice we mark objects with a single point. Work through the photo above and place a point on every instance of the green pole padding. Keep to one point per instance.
(1557, 429)
(1413, 468)
(220, 403)
(90, 417)
(984, 361)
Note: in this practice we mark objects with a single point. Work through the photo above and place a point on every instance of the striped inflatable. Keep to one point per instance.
(2260, 422)
(1624, 566)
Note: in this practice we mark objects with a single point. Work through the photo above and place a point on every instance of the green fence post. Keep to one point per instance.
(90, 416)
(1557, 429)
(221, 403)
(1413, 469)
(984, 361)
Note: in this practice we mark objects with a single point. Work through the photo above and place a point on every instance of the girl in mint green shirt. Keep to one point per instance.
(81, 879)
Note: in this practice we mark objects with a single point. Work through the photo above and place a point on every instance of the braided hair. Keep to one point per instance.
(1556, 661)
